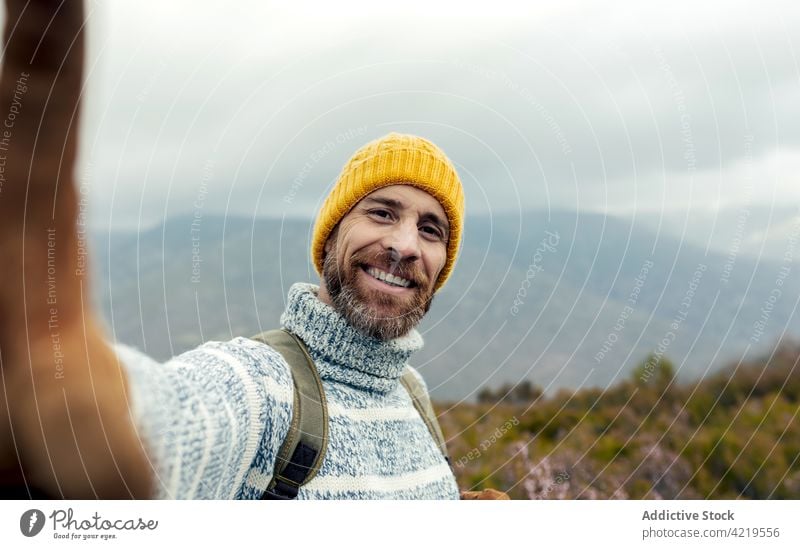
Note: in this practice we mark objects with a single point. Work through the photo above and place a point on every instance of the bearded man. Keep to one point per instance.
(384, 242)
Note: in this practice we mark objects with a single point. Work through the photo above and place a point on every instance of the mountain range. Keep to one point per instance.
(563, 299)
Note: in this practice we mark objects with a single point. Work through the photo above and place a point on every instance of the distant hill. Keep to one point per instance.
(557, 317)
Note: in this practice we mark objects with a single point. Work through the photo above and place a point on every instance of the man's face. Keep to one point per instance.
(383, 260)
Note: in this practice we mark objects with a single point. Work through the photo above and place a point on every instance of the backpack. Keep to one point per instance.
(303, 450)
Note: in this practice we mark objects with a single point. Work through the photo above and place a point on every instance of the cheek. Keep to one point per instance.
(436, 263)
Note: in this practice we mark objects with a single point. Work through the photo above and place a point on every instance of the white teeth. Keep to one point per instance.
(389, 278)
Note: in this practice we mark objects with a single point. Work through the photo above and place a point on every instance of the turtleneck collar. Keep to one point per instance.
(341, 352)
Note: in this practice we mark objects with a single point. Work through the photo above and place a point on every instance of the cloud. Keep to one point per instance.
(578, 106)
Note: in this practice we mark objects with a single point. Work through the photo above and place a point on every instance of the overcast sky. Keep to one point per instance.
(251, 108)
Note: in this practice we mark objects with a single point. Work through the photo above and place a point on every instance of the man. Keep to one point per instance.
(385, 240)
(80, 418)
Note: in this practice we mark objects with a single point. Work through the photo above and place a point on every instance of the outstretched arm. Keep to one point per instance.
(63, 408)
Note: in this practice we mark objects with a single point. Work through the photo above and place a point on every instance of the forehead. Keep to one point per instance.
(408, 197)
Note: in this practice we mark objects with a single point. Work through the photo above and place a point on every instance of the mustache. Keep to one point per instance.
(387, 260)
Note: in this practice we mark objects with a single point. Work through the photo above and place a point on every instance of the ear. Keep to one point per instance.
(332, 236)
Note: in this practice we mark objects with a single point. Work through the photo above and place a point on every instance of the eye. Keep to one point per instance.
(381, 214)
(431, 231)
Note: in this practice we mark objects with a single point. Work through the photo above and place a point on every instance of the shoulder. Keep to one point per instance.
(249, 353)
(254, 368)
(252, 360)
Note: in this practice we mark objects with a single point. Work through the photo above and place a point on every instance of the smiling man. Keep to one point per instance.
(384, 242)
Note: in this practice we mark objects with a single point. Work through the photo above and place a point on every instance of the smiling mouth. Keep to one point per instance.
(388, 278)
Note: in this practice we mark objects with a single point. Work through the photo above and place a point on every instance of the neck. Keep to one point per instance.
(339, 350)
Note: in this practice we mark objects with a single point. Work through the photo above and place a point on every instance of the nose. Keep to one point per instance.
(403, 242)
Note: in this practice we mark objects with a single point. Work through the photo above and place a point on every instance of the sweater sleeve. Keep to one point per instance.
(212, 419)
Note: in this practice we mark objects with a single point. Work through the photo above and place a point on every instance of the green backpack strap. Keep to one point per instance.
(422, 403)
(300, 457)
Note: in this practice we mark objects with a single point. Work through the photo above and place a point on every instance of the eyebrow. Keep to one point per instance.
(427, 216)
(391, 202)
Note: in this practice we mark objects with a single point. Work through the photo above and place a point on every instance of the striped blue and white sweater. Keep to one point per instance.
(213, 418)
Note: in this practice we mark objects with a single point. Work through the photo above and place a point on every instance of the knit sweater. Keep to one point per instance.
(214, 418)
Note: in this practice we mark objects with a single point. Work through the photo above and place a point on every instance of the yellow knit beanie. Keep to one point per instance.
(391, 160)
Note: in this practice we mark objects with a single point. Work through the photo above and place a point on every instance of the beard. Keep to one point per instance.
(374, 313)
